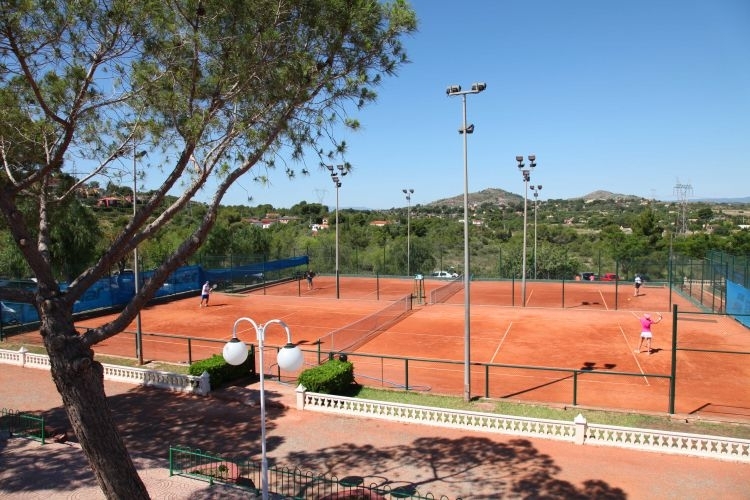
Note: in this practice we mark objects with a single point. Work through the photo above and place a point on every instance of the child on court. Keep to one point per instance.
(646, 333)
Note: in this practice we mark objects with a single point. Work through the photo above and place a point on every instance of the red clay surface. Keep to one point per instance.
(572, 326)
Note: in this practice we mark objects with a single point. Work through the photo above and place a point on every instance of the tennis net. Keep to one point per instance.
(356, 334)
(445, 292)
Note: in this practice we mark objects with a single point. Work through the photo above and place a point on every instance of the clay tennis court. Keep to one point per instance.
(576, 330)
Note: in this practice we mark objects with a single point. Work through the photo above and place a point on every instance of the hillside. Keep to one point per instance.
(500, 197)
(493, 196)
(608, 196)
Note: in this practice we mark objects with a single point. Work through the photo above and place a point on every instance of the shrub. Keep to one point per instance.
(221, 372)
(333, 377)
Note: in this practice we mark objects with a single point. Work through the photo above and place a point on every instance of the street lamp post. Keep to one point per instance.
(526, 173)
(536, 191)
(408, 193)
(337, 182)
(465, 130)
(136, 277)
(289, 358)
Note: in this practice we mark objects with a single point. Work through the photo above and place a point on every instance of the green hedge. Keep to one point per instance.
(332, 377)
(221, 372)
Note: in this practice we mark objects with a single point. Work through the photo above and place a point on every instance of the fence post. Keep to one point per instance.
(617, 283)
(563, 293)
(406, 373)
(673, 374)
(486, 381)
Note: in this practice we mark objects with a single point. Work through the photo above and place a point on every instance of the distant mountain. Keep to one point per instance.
(742, 201)
(607, 195)
(501, 197)
(490, 195)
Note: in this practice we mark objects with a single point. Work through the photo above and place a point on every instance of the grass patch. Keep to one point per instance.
(516, 409)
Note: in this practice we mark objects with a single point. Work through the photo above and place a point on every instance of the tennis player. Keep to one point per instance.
(205, 292)
(646, 333)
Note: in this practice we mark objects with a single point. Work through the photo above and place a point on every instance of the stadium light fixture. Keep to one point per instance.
(526, 174)
(408, 193)
(289, 358)
(465, 130)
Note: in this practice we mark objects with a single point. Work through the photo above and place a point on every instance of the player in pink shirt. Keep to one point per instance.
(646, 334)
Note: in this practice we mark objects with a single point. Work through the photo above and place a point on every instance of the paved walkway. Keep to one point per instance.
(439, 461)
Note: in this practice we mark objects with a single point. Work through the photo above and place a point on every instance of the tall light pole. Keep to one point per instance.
(337, 182)
(465, 130)
(290, 358)
(408, 193)
(526, 173)
(136, 277)
(536, 191)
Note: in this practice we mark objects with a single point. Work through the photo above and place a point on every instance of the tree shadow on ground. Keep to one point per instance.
(452, 467)
(151, 419)
(228, 424)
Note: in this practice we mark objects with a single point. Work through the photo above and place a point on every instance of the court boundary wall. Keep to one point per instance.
(579, 432)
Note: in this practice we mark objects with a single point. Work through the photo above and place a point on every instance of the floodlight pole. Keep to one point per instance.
(465, 130)
(536, 191)
(337, 182)
(408, 193)
(526, 173)
(136, 273)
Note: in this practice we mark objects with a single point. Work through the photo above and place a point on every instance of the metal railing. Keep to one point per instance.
(19, 423)
(284, 482)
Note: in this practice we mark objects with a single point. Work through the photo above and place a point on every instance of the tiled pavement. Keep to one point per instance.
(439, 461)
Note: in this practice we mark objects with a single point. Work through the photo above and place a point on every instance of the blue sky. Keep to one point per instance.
(630, 97)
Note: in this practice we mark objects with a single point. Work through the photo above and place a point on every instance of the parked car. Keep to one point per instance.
(587, 276)
(444, 275)
(24, 284)
(610, 277)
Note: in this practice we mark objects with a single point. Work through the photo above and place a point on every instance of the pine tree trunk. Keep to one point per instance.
(80, 382)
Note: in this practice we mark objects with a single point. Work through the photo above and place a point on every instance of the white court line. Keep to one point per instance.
(500, 345)
(604, 301)
(635, 356)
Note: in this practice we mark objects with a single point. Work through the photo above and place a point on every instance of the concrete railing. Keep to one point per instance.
(138, 376)
(579, 431)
